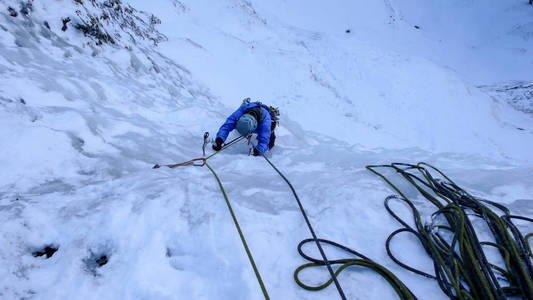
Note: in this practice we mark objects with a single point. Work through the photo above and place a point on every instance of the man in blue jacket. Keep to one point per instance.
(250, 118)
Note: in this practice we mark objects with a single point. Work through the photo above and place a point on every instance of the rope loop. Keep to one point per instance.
(461, 268)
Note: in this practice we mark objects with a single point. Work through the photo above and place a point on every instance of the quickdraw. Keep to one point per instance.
(191, 162)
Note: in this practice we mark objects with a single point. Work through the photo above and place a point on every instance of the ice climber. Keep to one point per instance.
(251, 117)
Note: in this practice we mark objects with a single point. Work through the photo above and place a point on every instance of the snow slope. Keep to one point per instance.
(82, 124)
(368, 89)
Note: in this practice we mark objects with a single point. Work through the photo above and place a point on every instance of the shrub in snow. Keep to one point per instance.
(113, 22)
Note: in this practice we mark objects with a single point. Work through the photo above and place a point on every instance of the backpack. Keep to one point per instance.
(273, 111)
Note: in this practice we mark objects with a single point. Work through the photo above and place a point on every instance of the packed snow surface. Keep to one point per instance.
(357, 83)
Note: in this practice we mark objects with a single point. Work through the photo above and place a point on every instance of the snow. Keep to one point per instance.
(82, 125)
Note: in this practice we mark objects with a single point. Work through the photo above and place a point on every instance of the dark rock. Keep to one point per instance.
(95, 261)
(518, 94)
(26, 8)
(12, 12)
(93, 29)
(102, 260)
(348, 31)
(417, 27)
(48, 251)
(46, 25)
(22, 101)
(65, 22)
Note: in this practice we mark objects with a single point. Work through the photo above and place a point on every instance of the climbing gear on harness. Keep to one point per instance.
(272, 140)
(317, 241)
(246, 124)
(241, 235)
(247, 100)
(250, 145)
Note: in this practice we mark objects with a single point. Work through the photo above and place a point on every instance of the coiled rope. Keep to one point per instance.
(399, 287)
(461, 268)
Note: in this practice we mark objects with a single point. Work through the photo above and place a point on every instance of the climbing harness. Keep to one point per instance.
(194, 162)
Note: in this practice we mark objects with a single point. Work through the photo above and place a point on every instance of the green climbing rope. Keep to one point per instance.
(325, 261)
(461, 268)
(399, 287)
(241, 235)
(227, 145)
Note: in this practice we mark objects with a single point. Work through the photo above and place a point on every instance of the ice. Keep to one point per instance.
(81, 126)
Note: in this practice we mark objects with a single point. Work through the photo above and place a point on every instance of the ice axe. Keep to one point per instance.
(206, 135)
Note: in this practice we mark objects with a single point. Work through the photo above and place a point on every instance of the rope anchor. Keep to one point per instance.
(192, 162)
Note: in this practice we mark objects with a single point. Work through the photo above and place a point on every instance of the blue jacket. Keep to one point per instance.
(262, 130)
